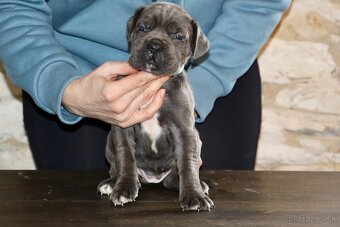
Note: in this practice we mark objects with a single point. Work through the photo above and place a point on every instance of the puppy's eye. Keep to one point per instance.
(178, 37)
(142, 28)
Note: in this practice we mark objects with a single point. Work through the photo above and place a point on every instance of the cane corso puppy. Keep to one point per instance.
(165, 149)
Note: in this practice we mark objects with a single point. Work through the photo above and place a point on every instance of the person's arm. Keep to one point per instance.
(235, 40)
(32, 57)
(35, 62)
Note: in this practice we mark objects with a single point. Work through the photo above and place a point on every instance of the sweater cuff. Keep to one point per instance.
(51, 86)
(206, 89)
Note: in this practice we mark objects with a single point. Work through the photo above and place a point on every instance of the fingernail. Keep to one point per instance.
(162, 93)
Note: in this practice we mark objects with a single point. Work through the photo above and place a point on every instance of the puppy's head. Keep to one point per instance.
(162, 38)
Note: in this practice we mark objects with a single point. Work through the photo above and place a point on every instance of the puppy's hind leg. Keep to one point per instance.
(172, 182)
(106, 186)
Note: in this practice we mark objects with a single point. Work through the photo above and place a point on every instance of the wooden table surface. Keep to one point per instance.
(61, 198)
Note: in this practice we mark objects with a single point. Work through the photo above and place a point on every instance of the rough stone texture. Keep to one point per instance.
(301, 95)
(14, 149)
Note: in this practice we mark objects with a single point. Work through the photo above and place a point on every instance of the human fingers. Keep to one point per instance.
(111, 69)
(127, 105)
(200, 162)
(114, 90)
(146, 113)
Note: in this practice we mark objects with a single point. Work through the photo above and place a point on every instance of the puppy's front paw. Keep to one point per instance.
(196, 202)
(124, 192)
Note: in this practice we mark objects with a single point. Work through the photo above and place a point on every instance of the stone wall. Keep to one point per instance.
(301, 114)
(14, 150)
(301, 94)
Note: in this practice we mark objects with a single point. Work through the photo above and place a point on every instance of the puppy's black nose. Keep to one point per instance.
(154, 47)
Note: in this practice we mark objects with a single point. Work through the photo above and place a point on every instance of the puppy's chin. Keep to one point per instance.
(154, 68)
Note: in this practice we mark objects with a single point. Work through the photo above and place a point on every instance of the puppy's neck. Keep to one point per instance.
(176, 82)
(180, 74)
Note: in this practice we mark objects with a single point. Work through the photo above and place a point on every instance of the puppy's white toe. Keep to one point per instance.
(105, 189)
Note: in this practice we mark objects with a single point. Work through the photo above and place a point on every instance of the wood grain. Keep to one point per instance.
(61, 198)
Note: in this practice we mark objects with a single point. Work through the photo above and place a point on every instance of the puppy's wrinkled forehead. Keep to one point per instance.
(166, 15)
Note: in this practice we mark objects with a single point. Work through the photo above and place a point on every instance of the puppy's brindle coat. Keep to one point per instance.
(162, 38)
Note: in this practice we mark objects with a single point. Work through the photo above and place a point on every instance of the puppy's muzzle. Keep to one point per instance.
(155, 47)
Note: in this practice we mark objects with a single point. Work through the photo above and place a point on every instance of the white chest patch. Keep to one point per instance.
(153, 129)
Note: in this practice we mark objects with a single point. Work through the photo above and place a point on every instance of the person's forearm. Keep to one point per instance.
(235, 40)
(32, 57)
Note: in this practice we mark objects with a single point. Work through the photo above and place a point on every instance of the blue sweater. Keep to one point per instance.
(44, 46)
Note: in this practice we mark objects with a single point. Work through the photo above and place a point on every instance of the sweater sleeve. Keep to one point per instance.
(235, 40)
(32, 57)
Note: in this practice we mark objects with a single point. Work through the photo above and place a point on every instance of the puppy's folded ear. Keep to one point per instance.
(199, 42)
(131, 24)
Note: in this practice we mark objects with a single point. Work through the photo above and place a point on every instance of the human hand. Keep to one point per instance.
(100, 95)
(200, 162)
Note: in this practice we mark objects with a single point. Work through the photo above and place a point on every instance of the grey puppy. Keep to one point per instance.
(162, 39)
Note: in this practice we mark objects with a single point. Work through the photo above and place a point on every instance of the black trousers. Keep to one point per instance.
(229, 134)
